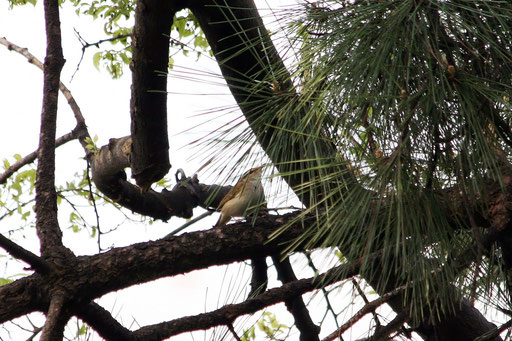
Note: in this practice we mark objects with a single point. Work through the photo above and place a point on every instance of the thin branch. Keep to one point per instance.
(295, 305)
(395, 324)
(35, 330)
(190, 222)
(494, 333)
(91, 198)
(33, 156)
(35, 262)
(81, 128)
(233, 332)
(324, 292)
(86, 45)
(365, 299)
(224, 315)
(369, 307)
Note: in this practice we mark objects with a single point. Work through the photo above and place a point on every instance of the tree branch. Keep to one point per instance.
(383, 333)
(47, 225)
(295, 305)
(148, 107)
(28, 257)
(22, 297)
(56, 319)
(367, 308)
(29, 158)
(230, 312)
(80, 130)
(108, 175)
(102, 322)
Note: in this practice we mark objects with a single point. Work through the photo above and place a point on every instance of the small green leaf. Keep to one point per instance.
(96, 60)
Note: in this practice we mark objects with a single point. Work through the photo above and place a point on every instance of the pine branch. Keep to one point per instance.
(229, 313)
(383, 333)
(295, 305)
(369, 307)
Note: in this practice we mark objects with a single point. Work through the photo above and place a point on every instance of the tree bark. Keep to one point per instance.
(150, 149)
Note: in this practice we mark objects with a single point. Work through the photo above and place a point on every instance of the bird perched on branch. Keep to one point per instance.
(247, 193)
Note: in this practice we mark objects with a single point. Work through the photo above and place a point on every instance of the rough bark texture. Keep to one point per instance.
(108, 174)
(46, 198)
(89, 277)
(150, 150)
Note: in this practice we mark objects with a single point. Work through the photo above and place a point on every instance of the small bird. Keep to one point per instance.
(248, 192)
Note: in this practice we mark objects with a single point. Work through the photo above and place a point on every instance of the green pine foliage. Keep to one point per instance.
(393, 106)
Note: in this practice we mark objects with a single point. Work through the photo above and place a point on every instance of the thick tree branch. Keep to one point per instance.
(93, 276)
(150, 151)
(47, 225)
(174, 255)
(56, 319)
(109, 177)
(22, 297)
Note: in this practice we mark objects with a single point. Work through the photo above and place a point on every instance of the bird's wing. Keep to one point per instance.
(230, 195)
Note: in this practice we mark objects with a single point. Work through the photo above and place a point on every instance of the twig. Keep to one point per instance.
(85, 45)
(324, 292)
(233, 332)
(32, 156)
(190, 222)
(366, 302)
(393, 326)
(91, 197)
(81, 127)
(369, 307)
(36, 330)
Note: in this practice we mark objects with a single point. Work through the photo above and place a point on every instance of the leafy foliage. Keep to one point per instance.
(269, 326)
(21, 2)
(117, 17)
